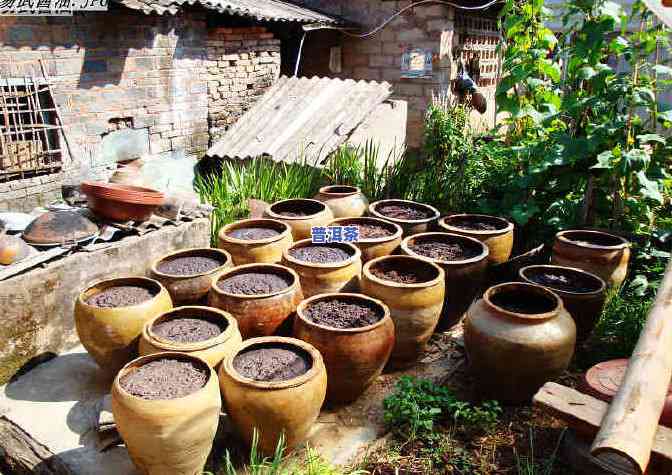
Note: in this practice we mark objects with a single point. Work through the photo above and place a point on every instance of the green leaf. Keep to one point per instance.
(604, 160)
(611, 10)
(639, 285)
(665, 116)
(648, 188)
(646, 138)
(662, 70)
(586, 73)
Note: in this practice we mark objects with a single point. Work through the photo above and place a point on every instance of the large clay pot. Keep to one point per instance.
(511, 353)
(354, 357)
(415, 308)
(260, 314)
(190, 289)
(344, 201)
(597, 252)
(584, 303)
(374, 247)
(110, 335)
(498, 240)
(277, 407)
(317, 214)
(121, 203)
(256, 251)
(409, 226)
(465, 278)
(211, 351)
(324, 278)
(168, 435)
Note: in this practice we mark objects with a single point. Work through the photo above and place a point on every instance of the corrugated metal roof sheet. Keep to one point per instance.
(313, 114)
(268, 10)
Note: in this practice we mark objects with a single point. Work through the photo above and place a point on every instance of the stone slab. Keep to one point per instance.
(37, 306)
(55, 403)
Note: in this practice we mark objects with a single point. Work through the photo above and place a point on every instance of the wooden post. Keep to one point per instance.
(630, 425)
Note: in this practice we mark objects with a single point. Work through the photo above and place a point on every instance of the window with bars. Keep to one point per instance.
(29, 138)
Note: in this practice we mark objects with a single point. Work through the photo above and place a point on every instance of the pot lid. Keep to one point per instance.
(604, 379)
(56, 227)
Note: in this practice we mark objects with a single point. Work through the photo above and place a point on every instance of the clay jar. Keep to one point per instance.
(344, 201)
(211, 350)
(110, 334)
(192, 287)
(599, 253)
(300, 215)
(257, 250)
(326, 277)
(288, 407)
(168, 435)
(354, 356)
(410, 226)
(415, 307)
(373, 247)
(258, 314)
(583, 294)
(465, 275)
(518, 337)
(495, 232)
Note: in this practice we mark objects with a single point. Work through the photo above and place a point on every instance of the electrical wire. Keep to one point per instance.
(408, 7)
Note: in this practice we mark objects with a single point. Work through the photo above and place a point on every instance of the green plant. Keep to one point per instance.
(527, 465)
(416, 405)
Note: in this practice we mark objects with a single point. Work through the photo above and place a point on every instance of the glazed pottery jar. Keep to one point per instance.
(288, 407)
(344, 201)
(326, 277)
(258, 314)
(255, 241)
(412, 217)
(110, 334)
(495, 232)
(518, 337)
(188, 284)
(583, 294)
(355, 355)
(413, 289)
(168, 435)
(211, 350)
(597, 252)
(465, 270)
(384, 240)
(301, 215)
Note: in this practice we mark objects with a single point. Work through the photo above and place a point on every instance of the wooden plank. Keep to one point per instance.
(20, 454)
(585, 413)
(29, 262)
(629, 427)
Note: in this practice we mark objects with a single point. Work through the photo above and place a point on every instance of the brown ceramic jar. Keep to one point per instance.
(256, 251)
(494, 232)
(212, 351)
(374, 247)
(354, 357)
(110, 334)
(583, 294)
(344, 201)
(322, 278)
(415, 307)
(518, 337)
(258, 314)
(301, 215)
(465, 278)
(273, 408)
(190, 289)
(597, 252)
(409, 226)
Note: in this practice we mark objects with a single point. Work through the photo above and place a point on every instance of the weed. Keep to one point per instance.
(417, 404)
(527, 465)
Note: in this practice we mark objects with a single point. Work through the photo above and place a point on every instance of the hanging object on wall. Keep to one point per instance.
(466, 86)
(335, 59)
(416, 63)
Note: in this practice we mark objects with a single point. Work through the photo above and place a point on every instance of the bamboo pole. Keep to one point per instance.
(628, 429)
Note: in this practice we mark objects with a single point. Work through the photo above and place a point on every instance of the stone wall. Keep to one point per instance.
(126, 83)
(242, 63)
(378, 57)
(38, 306)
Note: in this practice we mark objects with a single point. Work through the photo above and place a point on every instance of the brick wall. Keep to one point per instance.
(242, 63)
(121, 67)
(431, 26)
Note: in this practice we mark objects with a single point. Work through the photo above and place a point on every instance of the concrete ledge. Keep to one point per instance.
(37, 307)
